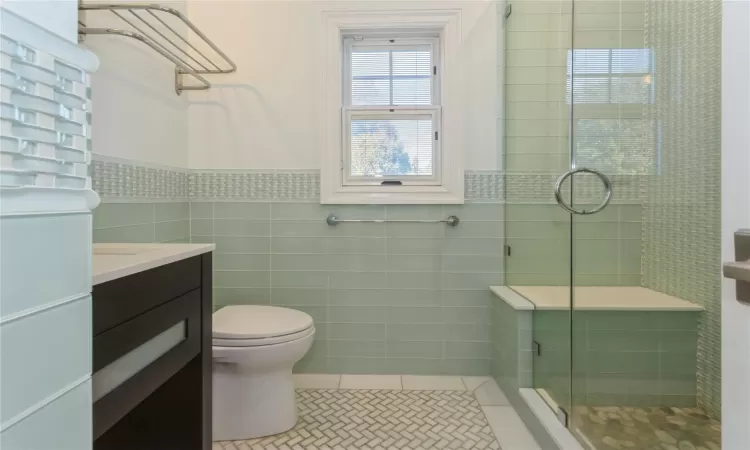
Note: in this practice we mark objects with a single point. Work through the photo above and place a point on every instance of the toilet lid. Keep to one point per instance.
(258, 322)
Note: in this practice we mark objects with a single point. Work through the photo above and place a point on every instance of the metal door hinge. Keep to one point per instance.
(536, 347)
(508, 250)
(508, 11)
(562, 416)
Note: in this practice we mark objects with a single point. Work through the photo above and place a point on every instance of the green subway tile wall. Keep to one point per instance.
(386, 298)
(511, 340)
(607, 246)
(619, 358)
(537, 148)
(142, 222)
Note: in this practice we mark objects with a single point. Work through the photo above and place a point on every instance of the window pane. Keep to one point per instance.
(631, 60)
(589, 60)
(391, 147)
(412, 75)
(412, 91)
(610, 76)
(589, 89)
(391, 77)
(372, 92)
(616, 146)
(631, 89)
(371, 84)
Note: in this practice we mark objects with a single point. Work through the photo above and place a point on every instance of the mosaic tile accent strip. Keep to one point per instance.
(368, 420)
(112, 180)
(258, 186)
(681, 215)
(539, 188)
(115, 180)
(487, 187)
(44, 119)
(647, 428)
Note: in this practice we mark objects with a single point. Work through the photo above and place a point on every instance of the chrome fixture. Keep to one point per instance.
(602, 205)
(177, 49)
(334, 220)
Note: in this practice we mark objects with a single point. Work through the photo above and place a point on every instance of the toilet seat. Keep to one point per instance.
(256, 325)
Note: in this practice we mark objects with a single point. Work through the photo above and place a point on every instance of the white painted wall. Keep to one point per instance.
(735, 214)
(267, 114)
(137, 114)
(57, 16)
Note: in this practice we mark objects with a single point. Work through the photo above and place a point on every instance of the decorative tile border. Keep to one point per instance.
(300, 186)
(117, 180)
(539, 188)
(484, 186)
(120, 180)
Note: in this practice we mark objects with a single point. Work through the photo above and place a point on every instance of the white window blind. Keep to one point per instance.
(391, 111)
(397, 76)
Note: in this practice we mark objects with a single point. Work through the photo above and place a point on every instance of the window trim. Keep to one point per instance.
(452, 136)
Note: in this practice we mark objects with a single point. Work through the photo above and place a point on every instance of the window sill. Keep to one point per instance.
(392, 195)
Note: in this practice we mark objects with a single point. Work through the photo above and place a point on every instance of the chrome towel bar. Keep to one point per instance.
(334, 220)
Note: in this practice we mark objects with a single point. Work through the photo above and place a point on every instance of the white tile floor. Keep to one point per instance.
(507, 426)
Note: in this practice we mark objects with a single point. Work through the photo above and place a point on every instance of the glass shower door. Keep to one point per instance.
(609, 88)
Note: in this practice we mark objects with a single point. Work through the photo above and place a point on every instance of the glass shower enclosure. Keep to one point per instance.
(612, 194)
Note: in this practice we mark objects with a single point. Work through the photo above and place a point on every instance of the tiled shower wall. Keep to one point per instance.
(386, 298)
(537, 146)
(681, 216)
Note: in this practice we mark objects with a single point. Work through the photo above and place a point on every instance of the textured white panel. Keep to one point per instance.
(44, 116)
(42, 355)
(43, 260)
(61, 425)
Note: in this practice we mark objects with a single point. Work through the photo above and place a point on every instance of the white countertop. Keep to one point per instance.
(592, 298)
(112, 261)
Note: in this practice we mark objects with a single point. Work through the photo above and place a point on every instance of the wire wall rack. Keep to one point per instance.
(159, 27)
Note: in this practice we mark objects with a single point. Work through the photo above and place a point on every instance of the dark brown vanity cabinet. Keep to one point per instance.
(152, 358)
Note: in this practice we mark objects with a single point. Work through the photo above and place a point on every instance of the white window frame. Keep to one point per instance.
(349, 111)
(446, 111)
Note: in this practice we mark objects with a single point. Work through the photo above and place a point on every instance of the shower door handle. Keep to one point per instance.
(565, 206)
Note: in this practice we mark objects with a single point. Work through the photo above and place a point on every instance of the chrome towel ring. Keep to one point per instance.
(583, 212)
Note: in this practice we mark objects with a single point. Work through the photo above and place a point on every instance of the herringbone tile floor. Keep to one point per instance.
(334, 419)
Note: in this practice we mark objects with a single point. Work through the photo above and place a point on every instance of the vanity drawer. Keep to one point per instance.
(134, 359)
(122, 299)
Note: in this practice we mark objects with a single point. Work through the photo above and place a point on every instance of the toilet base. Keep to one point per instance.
(250, 405)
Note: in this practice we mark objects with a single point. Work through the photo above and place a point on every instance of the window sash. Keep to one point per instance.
(351, 45)
(354, 113)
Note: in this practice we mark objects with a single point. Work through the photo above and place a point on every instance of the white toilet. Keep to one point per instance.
(254, 350)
